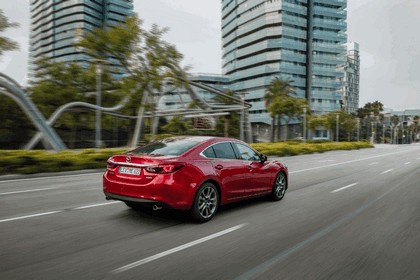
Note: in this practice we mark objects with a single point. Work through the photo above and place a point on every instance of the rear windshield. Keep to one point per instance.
(166, 147)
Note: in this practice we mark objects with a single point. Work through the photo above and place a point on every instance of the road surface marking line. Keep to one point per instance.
(343, 188)
(95, 205)
(57, 211)
(176, 249)
(264, 266)
(26, 191)
(408, 162)
(30, 216)
(346, 162)
(373, 163)
(50, 177)
(386, 171)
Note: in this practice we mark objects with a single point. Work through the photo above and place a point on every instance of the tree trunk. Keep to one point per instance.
(273, 120)
(226, 127)
(278, 127)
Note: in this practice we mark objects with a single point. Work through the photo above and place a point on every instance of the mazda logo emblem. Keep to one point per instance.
(128, 159)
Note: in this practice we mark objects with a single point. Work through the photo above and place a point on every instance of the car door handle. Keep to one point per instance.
(219, 166)
(249, 167)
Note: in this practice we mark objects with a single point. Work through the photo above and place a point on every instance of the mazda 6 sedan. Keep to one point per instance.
(193, 173)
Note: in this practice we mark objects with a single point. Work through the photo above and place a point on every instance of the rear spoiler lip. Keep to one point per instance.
(130, 164)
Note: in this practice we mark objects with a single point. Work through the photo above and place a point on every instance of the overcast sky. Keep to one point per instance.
(387, 31)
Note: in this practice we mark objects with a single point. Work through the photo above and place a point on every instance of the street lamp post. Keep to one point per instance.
(98, 104)
(337, 117)
(358, 128)
(304, 125)
(242, 117)
(372, 137)
(383, 133)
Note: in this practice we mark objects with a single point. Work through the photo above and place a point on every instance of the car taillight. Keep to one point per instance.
(164, 168)
(110, 165)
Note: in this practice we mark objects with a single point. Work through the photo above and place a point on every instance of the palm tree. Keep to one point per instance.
(395, 120)
(415, 127)
(276, 91)
(6, 44)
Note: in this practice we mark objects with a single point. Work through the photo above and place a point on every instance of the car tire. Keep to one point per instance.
(206, 203)
(279, 187)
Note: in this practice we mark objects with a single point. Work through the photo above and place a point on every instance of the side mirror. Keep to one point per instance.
(263, 158)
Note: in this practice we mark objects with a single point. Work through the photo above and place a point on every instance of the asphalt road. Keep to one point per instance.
(346, 215)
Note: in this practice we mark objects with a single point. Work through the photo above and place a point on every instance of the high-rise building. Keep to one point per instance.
(351, 78)
(297, 40)
(55, 25)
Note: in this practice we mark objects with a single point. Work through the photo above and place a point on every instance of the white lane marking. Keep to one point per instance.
(343, 188)
(57, 211)
(344, 162)
(373, 163)
(176, 249)
(408, 162)
(26, 191)
(30, 216)
(386, 171)
(50, 177)
(95, 205)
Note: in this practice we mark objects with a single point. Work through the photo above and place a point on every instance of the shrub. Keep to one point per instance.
(27, 162)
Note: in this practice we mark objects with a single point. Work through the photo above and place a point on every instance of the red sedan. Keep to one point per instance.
(193, 173)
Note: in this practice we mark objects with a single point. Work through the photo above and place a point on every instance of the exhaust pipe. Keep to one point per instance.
(156, 207)
(107, 198)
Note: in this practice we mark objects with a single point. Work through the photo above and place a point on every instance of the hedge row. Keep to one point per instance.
(298, 148)
(27, 162)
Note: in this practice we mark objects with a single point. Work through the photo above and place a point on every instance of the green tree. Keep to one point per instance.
(288, 108)
(56, 84)
(14, 124)
(6, 44)
(177, 126)
(318, 122)
(227, 125)
(414, 127)
(147, 58)
(346, 123)
(276, 92)
(370, 114)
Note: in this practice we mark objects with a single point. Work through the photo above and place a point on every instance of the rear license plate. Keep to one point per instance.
(129, 170)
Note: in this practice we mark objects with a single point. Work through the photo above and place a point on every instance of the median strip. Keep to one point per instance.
(176, 249)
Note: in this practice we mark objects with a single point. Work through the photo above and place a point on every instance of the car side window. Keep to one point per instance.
(209, 153)
(224, 150)
(246, 153)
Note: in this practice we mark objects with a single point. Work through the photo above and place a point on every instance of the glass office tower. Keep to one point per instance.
(55, 25)
(296, 40)
(351, 78)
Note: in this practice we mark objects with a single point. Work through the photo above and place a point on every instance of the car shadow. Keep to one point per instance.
(145, 214)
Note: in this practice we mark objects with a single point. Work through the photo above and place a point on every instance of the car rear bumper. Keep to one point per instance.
(168, 195)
